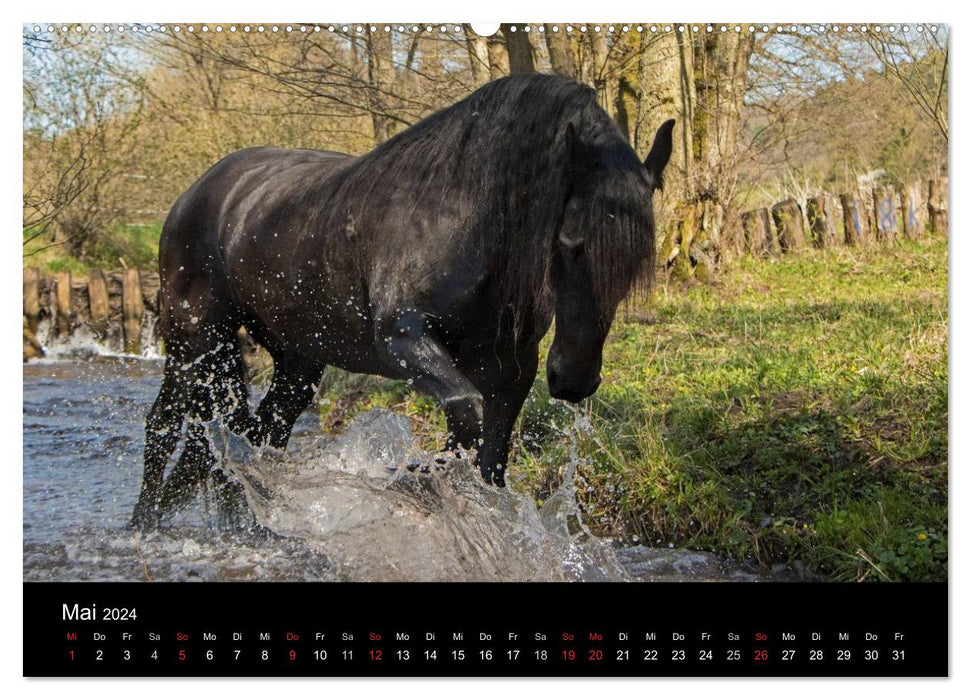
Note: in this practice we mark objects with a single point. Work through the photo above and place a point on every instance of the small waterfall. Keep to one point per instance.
(150, 343)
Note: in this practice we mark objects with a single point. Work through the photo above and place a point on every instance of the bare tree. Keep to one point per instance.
(918, 59)
(80, 141)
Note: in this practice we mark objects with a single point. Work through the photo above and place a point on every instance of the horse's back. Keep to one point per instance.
(201, 224)
(238, 175)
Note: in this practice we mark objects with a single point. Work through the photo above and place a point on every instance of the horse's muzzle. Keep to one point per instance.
(562, 388)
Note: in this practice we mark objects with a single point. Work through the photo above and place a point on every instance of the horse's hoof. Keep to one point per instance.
(145, 521)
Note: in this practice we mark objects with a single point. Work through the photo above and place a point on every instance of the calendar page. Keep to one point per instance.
(514, 349)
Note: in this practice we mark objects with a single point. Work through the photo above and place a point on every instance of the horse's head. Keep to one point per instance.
(605, 243)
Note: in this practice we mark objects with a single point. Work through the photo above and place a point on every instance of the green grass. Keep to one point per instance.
(136, 244)
(793, 409)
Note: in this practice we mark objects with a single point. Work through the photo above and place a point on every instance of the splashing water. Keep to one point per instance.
(384, 510)
(368, 505)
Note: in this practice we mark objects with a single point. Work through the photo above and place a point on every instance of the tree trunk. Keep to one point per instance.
(628, 86)
(380, 83)
(599, 53)
(519, 48)
(720, 77)
(561, 52)
(478, 49)
(687, 98)
(659, 98)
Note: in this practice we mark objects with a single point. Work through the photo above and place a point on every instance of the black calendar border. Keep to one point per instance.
(919, 611)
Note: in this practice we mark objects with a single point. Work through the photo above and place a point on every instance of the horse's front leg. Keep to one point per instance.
(502, 408)
(415, 353)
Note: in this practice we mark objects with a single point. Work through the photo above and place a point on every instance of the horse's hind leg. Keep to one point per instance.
(219, 392)
(162, 430)
(195, 463)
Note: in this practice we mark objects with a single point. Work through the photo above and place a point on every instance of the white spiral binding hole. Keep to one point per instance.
(904, 30)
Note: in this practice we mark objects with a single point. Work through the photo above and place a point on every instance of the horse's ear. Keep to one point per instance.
(579, 161)
(660, 154)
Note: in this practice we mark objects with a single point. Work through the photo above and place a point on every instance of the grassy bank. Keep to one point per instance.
(126, 245)
(793, 410)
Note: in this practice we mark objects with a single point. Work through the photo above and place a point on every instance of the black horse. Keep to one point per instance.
(440, 257)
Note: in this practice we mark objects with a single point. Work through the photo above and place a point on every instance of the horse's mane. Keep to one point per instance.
(496, 162)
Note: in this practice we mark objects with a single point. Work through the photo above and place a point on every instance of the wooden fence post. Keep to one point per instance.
(937, 204)
(885, 214)
(788, 223)
(98, 300)
(759, 235)
(133, 307)
(854, 221)
(32, 298)
(63, 303)
(821, 224)
(913, 210)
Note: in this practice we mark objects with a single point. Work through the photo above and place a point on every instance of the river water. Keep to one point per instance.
(367, 505)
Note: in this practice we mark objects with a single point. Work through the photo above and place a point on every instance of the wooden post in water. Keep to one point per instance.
(31, 298)
(913, 210)
(822, 228)
(885, 214)
(937, 204)
(63, 297)
(98, 300)
(32, 346)
(132, 309)
(788, 223)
